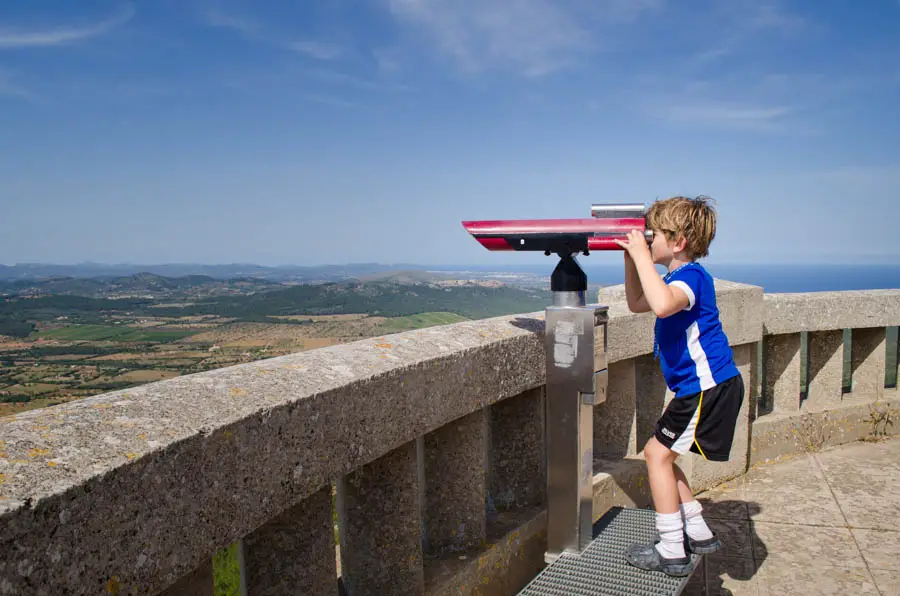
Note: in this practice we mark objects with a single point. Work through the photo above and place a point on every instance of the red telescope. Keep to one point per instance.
(562, 236)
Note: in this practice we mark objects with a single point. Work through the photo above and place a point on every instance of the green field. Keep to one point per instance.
(114, 333)
(427, 319)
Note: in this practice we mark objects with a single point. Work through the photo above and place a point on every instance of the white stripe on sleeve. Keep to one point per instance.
(687, 290)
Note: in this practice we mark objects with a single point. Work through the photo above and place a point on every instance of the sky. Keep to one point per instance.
(332, 131)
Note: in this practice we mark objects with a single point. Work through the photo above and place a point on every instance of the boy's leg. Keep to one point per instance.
(668, 554)
(712, 439)
(673, 436)
(685, 492)
(663, 479)
(664, 489)
(695, 527)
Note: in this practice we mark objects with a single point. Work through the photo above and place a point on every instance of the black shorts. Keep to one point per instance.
(703, 423)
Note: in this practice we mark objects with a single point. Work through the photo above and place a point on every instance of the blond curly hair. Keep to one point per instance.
(694, 219)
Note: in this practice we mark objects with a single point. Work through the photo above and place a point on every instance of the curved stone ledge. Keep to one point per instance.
(826, 311)
(182, 467)
(140, 486)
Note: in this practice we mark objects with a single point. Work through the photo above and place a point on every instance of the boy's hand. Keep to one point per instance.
(636, 245)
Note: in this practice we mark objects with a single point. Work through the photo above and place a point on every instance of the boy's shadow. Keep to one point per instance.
(743, 551)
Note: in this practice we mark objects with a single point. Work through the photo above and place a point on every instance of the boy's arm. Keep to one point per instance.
(634, 293)
(663, 299)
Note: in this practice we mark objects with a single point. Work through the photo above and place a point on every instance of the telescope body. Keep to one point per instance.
(554, 235)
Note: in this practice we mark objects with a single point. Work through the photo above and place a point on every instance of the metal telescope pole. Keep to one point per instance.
(575, 341)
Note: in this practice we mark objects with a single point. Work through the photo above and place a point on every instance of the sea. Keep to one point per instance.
(777, 278)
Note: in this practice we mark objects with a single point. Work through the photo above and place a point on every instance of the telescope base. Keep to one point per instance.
(601, 569)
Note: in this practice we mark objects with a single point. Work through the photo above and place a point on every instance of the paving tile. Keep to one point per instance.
(880, 549)
(695, 587)
(723, 576)
(868, 511)
(804, 545)
(887, 581)
(866, 487)
(729, 575)
(735, 536)
(778, 578)
(811, 505)
(791, 492)
(799, 467)
(798, 532)
(882, 454)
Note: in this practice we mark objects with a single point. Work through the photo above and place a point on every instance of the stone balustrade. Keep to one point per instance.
(426, 445)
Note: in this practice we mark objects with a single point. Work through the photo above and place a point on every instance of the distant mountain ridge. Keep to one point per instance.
(177, 270)
(137, 284)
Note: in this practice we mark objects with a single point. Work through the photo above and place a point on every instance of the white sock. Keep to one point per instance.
(671, 537)
(694, 525)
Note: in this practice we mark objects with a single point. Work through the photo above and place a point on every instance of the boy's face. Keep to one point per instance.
(662, 250)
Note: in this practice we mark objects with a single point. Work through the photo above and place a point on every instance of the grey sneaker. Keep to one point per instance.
(702, 547)
(645, 556)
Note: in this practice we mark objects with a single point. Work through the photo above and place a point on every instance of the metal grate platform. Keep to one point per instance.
(601, 570)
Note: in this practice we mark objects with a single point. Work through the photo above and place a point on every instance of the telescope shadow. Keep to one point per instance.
(529, 324)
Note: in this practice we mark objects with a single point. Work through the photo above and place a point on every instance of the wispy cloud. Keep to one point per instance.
(334, 102)
(346, 80)
(532, 37)
(216, 18)
(771, 15)
(738, 25)
(62, 35)
(724, 115)
(315, 49)
(390, 59)
(859, 176)
(254, 31)
(733, 77)
(9, 88)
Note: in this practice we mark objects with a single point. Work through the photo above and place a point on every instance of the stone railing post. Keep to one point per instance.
(517, 452)
(379, 521)
(293, 553)
(455, 484)
(782, 382)
(867, 358)
(896, 363)
(615, 420)
(825, 372)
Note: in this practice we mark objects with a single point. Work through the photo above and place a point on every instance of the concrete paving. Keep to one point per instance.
(822, 523)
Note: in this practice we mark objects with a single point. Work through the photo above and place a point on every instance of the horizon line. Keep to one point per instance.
(423, 265)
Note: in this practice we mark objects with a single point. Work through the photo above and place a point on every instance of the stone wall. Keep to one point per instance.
(433, 438)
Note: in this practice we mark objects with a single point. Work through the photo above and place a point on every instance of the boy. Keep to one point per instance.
(698, 367)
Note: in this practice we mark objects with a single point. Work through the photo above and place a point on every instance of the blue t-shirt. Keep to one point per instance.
(692, 347)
